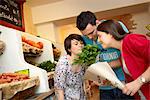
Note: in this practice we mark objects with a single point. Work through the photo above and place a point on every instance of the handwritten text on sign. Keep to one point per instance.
(11, 12)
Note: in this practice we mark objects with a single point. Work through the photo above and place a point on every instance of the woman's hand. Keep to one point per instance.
(59, 94)
(132, 87)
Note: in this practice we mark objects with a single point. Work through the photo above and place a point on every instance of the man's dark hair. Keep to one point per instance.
(67, 42)
(85, 18)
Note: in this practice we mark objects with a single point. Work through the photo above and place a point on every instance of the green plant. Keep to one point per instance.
(47, 65)
(87, 56)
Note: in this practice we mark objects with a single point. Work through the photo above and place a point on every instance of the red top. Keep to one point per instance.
(136, 54)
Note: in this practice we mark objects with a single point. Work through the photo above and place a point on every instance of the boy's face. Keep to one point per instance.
(90, 31)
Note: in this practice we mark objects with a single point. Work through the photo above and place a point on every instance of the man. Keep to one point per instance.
(87, 23)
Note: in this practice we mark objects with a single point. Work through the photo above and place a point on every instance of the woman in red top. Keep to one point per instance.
(135, 49)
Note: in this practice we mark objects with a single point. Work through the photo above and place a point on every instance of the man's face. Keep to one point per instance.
(90, 31)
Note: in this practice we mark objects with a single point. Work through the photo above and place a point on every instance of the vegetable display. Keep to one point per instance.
(47, 65)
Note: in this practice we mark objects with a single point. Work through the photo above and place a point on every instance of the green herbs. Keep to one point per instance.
(47, 65)
(87, 56)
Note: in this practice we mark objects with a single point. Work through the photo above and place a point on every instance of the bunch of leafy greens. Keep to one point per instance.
(47, 65)
(87, 56)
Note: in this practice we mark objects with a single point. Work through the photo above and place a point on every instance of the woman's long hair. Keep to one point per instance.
(114, 28)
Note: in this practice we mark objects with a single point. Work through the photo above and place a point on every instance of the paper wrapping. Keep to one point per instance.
(10, 89)
(104, 71)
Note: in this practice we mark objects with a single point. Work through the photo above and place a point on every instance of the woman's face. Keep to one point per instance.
(104, 38)
(76, 47)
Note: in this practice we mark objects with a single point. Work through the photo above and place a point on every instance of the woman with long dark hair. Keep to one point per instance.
(135, 50)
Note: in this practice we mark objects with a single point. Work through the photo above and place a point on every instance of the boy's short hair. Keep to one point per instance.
(85, 18)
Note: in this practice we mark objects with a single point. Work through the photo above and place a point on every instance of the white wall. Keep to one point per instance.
(71, 8)
(45, 16)
(46, 31)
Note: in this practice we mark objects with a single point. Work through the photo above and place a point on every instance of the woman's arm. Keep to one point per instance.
(132, 87)
(59, 94)
(146, 75)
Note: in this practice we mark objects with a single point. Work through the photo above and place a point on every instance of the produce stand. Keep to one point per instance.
(20, 89)
(13, 60)
(51, 94)
(29, 50)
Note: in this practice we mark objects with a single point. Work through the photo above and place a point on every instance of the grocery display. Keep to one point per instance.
(32, 43)
(31, 50)
(47, 65)
(12, 63)
(12, 77)
(18, 87)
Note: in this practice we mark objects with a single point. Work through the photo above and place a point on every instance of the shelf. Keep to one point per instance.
(13, 58)
(10, 89)
(44, 96)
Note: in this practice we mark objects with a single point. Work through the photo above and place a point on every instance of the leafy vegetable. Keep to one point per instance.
(47, 65)
(87, 56)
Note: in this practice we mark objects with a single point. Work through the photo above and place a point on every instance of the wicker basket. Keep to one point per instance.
(19, 90)
(22, 95)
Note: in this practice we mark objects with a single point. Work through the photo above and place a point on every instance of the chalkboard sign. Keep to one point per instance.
(11, 14)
